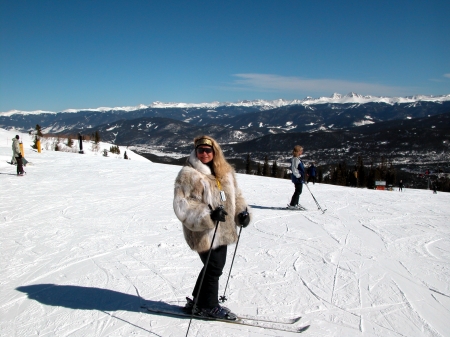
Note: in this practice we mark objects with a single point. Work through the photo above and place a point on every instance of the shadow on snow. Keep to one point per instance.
(89, 298)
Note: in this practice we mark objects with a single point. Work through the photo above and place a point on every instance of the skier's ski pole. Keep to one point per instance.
(223, 298)
(318, 206)
(203, 276)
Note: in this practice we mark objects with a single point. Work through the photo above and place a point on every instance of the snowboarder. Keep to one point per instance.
(17, 154)
(209, 203)
(312, 173)
(297, 177)
(400, 186)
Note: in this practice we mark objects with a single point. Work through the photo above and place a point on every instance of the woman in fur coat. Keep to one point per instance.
(207, 196)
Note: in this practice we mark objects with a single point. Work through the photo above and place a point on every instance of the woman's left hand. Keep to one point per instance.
(243, 219)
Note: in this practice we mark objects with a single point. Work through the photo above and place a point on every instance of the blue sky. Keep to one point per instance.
(57, 55)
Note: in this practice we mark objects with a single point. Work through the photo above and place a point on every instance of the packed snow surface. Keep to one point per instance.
(86, 240)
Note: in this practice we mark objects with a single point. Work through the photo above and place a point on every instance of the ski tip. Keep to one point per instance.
(296, 319)
(303, 328)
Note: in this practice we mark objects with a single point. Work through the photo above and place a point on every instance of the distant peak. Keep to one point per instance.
(336, 98)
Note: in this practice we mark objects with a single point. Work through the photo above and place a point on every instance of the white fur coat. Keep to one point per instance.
(195, 189)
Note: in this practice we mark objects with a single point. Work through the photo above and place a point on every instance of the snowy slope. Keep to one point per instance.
(48, 144)
(85, 240)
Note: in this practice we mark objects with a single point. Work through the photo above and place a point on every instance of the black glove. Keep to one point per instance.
(244, 218)
(20, 155)
(218, 214)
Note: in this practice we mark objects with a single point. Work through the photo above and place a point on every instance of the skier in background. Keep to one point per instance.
(435, 187)
(297, 177)
(312, 173)
(17, 154)
(203, 185)
(400, 186)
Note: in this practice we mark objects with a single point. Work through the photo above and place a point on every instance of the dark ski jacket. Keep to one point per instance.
(312, 171)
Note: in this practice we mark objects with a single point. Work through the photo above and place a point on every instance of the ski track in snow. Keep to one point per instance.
(87, 240)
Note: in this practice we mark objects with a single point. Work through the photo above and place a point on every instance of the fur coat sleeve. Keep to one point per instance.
(195, 189)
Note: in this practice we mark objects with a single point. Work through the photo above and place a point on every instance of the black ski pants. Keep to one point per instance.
(209, 293)
(296, 195)
(19, 165)
(313, 179)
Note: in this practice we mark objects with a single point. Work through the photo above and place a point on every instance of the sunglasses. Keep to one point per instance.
(201, 150)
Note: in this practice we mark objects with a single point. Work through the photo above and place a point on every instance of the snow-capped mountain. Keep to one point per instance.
(405, 130)
(274, 116)
(260, 104)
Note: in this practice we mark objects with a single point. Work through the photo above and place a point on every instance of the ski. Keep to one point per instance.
(177, 311)
(241, 317)
(260, 319)
(298, 208)
(287, 208)
(277, 321)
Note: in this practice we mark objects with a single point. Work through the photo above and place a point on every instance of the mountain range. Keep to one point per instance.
(410, 132)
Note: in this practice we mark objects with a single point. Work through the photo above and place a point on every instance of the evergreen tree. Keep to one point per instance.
(37, 136)
(97, 137)
(274, 169)
(391, 175)
(361, 173)
(370, 181)
(319, 174)
(38, 130)
(259, 171)
(266, 168)
(34, 146)
(342, 174)
(353, 177)
(248, 165)
(114, 149)
(333, 175)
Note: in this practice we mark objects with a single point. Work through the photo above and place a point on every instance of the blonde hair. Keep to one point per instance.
(297, 149)
(220, 165)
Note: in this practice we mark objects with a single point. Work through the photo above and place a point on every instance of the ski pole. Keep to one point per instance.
(318, 206)
(223, 298)
(203, 276)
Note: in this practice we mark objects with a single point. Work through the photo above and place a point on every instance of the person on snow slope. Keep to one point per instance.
(17, 154)
(206, 195)
(297, 177)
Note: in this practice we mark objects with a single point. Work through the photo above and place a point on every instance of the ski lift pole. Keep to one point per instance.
(318, 206)
(223, 298)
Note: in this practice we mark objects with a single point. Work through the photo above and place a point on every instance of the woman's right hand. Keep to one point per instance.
(218, 214)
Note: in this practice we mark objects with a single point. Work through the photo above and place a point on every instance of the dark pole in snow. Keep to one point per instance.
(80, 141)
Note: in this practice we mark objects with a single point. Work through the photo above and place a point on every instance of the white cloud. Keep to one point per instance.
(447, 75)
(270, 82)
